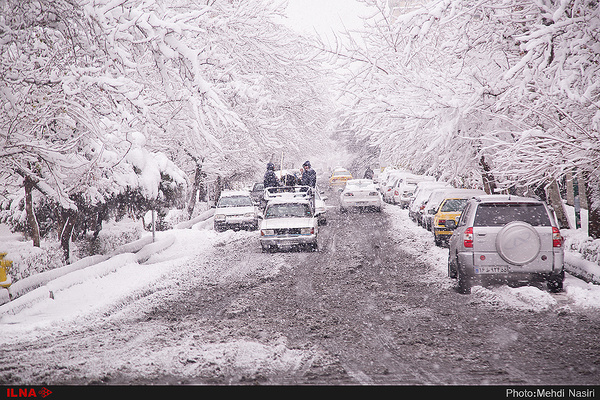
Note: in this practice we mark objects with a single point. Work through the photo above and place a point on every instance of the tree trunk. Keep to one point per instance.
(197, 188)
(67, 224)
(592, 191)
(489, 183)
(556, 203)
(34, 229)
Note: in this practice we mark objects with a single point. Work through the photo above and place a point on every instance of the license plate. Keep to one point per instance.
(492, 269)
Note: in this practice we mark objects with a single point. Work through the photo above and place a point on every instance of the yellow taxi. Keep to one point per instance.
(447, 215)
(339, 177)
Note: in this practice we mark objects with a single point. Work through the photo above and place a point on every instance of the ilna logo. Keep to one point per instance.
(27, 392)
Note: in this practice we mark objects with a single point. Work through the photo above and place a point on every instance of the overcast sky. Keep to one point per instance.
(324, 15)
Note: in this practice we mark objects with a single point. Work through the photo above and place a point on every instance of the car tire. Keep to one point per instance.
(451, 268)
(555, 282)
(464, 282)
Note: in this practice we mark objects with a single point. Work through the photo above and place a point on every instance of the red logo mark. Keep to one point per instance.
(27, 392)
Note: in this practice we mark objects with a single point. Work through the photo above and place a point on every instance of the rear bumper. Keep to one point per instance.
(529, 272)
(361, 203)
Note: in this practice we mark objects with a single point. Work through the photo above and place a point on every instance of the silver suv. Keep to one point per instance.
(507, 239)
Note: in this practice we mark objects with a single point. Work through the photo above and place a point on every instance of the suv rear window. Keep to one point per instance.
(498, 214)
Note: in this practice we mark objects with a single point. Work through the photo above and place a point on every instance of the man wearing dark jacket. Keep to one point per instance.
(270, 179)
(309, 175)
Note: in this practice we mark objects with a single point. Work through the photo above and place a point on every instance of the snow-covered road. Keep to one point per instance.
(110, 310)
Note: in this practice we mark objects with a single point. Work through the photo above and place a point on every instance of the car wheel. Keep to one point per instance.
(555, 283)
(464, 282)
(342, 210)
(438, 241)
(451, 268)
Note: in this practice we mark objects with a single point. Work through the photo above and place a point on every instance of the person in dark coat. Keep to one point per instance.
(309, 175)
(368, 173)
(270, 179)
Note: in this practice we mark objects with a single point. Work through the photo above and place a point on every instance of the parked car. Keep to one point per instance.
(405, 188)
(449, 210)
(386, 188)
(360, 193)
(419, 199)
(235, 210)
(288, 222)
(384, 176)
(339, 177)
(507, 239)
(435, 199)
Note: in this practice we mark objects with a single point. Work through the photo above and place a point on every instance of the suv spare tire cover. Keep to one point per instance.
(518, 243)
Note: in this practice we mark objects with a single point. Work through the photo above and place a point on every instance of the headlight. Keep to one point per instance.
(267, 232)
(307, 231)
(249, 215)
(220, 217)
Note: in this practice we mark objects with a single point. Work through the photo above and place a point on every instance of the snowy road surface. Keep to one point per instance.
(372, 306)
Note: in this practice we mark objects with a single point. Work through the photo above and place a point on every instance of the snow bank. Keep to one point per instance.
(41, 286)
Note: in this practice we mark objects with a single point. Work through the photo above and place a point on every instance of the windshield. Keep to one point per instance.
(293, 210)
(502, 214)
(453, 205)
(235, 201)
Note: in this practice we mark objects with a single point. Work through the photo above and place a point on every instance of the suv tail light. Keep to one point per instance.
(556, 237)
(468, 237)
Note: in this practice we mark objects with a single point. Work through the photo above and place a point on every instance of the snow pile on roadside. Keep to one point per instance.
(96, 290)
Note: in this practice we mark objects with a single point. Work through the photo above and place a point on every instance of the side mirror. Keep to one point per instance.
(430, 211)
(451, 224)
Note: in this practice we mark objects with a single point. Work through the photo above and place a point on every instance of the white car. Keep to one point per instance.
(314, 195)
(235, 210)
(288, 222)
(360, 193)
(419, 199)
(405, 188)
(387, 188)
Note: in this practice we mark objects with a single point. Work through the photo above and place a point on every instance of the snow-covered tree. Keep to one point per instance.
(503, 93)
(93, 92)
